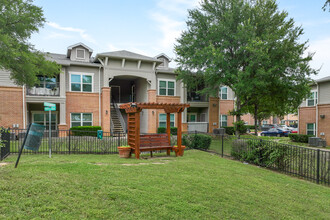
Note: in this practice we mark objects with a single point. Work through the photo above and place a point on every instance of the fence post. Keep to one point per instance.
(222, 145)
(69, 141)
(118, 139)
(318, 167)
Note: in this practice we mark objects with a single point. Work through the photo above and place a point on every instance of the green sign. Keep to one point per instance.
(52, 108)
(47, 104)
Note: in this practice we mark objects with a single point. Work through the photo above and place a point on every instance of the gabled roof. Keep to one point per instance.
(63, 60)
(124, 54)
(324, 79)
(163, 55)
(76, 45)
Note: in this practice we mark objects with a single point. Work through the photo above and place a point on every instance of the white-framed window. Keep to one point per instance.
(223, 121)
(223, 92)
(81, 119)
(166, 87)
(264, 122)
(162, 120)
(192, 117)
(42, 118)
(81, 82)
(312, 100)
(310, 129)
(80, 53)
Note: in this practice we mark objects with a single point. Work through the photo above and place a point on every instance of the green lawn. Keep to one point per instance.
(199, 185)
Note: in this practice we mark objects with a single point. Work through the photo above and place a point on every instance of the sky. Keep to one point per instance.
(151, 27)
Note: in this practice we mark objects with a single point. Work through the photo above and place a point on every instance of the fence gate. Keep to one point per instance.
(5, 150)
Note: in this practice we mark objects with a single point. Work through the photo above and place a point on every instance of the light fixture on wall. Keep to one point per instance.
(322, 116)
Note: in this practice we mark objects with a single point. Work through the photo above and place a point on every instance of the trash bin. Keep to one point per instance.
(34, 137)
(99, 134)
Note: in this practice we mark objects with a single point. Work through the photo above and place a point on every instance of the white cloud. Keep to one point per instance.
(56, 35)
(170, 28)
(82, 33)
(177, 6)
(321, 57)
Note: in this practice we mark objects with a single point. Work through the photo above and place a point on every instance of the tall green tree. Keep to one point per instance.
(18, 20)
(250, 46)
(326, 4)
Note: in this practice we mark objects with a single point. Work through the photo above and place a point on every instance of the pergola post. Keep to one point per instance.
(137, 135)
(179, 135)
(168, 126)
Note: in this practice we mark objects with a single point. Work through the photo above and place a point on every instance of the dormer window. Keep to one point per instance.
(80, 54)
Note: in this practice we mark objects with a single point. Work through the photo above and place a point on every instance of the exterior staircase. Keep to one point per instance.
(117, 127)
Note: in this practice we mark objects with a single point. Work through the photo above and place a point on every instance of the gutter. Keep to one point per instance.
(317, 111)
(100, 122)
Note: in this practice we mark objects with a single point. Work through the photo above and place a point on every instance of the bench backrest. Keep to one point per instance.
(152, 140)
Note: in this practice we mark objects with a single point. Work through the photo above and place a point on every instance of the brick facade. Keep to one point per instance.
(306, 115)
(213, 113)
(82, 102)
(11, 107)
(225, 107)
(105, 109)
(323, 123)
(166, 99)
(152, 117)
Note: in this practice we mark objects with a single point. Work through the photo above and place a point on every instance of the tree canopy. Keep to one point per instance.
(18, 20)
(251, 47)
(326, 4)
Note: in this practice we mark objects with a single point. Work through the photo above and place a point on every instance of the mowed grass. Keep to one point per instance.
(199, 185)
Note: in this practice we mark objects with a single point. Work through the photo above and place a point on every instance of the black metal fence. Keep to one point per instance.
(71, 142)
(5, 147)
(308, 163)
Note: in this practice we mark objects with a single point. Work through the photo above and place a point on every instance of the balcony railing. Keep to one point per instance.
(194, 97)
(49, 90)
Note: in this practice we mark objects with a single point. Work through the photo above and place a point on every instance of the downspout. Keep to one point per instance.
(100, 90)
(23, 91)
(100, 122)
(317, 111)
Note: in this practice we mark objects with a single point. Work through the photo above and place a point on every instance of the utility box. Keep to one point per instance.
(316, 142)
(219, 131)
(100, 134)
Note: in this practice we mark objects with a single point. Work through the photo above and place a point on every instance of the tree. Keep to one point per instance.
(326, 4)
(18, 20)
(251, 47)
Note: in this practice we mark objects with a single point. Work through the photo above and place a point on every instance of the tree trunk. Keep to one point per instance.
(238, 117)
(255, 120)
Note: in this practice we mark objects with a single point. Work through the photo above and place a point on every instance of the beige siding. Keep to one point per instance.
(74, 54)
(5, 79)
(324, 93)
(114, 63)
(131, 64)
(146, 66)
(88, 70)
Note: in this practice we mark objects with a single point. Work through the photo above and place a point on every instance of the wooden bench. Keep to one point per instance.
(152, 142)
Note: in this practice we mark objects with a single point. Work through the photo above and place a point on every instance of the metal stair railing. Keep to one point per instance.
(120, 116)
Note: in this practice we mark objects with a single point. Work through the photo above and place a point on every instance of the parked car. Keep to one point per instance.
(286, 128)
(266, 127)
(275, 132)
(294, 131)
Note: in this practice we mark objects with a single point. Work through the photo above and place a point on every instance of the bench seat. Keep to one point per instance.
(153, 142)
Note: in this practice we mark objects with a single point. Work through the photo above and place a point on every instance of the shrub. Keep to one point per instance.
(260, 153)
(230, 130)
(162, 130)
(302, 138)
(85, 130)
(197, 141)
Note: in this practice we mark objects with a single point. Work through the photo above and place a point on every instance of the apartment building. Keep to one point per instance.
(90, 89)
(314, 112)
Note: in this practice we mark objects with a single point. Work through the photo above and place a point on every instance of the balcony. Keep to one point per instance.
(195, 97)
(48, 89)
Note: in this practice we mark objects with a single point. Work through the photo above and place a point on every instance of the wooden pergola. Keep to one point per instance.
(133, 121)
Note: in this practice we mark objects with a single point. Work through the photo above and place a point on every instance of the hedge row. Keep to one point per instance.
(162, 130)
(197, 141)
(302, 138)
(230, 130)
(85, 130)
